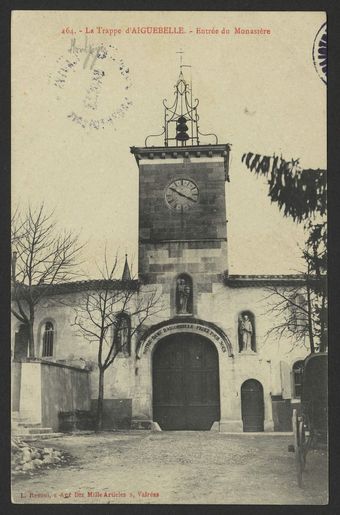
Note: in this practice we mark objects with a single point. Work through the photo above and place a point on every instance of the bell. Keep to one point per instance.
(182, 136)
(181, 127)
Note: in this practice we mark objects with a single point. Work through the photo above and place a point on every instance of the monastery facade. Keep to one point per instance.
(207, 360)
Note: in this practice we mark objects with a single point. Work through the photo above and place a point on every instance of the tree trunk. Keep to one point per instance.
(310, 323)
(323, 332)
(31, 350)
(99, 421)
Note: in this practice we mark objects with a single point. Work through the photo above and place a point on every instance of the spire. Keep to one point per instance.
(126, 272)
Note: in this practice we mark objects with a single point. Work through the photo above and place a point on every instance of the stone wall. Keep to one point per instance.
(193, 241)
(15, 386)
(117, 413)
(63, 389)
(130, 379)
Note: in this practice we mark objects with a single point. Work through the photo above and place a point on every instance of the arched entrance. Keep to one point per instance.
(252, 406)
(186, 392)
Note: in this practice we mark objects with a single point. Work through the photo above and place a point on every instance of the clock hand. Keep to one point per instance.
(182, 194)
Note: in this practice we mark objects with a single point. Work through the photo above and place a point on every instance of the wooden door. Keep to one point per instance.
(185, 383)
(252, 406)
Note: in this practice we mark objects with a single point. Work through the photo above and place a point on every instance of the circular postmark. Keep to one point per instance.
(320, 52)
(92, 83)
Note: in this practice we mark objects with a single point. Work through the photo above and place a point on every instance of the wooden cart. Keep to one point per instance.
(310, 427)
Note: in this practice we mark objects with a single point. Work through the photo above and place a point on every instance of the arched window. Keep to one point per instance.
(123, 334)
(246, 332)
(298, 319)
(297, 378)
(47, 340)
(184, 295)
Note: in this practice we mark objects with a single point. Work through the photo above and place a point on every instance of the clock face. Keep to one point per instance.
(181, 194)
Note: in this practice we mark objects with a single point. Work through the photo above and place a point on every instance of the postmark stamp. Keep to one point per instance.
(92, 82)
(320, 52)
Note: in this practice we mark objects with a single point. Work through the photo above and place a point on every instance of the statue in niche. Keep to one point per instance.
(183, 295)
(246, 332)
(123, 337)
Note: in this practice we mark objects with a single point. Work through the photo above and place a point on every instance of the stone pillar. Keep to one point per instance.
(142, 398)
(230, 402)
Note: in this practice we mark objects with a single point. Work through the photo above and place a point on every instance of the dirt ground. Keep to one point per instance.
(175, 468)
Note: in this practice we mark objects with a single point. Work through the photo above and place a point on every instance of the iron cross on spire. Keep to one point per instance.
(181, 65)
(180, 57)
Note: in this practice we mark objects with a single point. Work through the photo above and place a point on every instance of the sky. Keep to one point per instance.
(257, 92)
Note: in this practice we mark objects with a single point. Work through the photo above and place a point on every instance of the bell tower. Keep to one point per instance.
(182, 205)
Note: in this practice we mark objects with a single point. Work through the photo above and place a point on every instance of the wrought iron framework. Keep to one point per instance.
(181, 119)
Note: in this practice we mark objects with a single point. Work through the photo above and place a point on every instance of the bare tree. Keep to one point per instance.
(42, 257)
(290, 307)
(302, 195)
(315, 256)
(109, 316)
(301, 310)
(18, 227)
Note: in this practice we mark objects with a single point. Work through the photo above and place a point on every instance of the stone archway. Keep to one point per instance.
(187, 326)
(185, 379)
(184, 325)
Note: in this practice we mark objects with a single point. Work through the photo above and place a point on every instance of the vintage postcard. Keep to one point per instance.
(169, 251)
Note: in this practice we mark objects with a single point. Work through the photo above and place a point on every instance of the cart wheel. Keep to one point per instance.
(303, 443)
(297, 448)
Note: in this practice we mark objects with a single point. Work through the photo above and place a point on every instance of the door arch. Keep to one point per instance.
(252, 406)
(185, 383)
